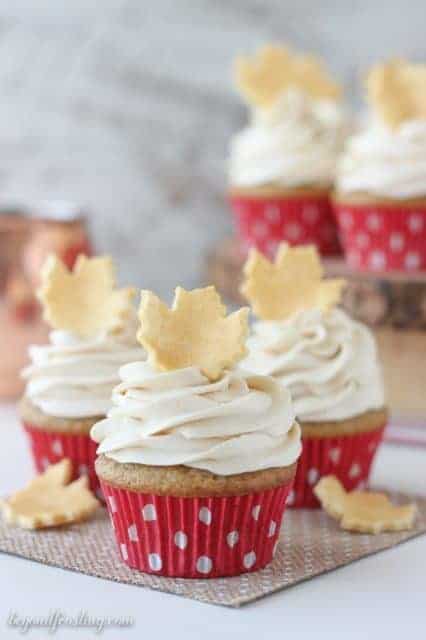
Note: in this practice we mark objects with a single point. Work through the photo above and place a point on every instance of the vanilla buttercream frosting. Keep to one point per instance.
(327, 360)
(294, 142)
(238, 423)
(384, 161)
(73, 377)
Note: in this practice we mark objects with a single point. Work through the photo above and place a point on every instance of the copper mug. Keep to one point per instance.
(27, 235)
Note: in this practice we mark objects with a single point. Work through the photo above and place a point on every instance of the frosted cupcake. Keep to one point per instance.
(282, 165)
(196, 459)
(381, 188)
(70, 380)
(325, 359)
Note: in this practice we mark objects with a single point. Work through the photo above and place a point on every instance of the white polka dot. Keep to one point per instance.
(334, 454)
(205, 515)
(181, 539)
(57, 448)
(232, 538)
(290, 498)
(272, 213)
(396, 241)
(310, 213)
(124, 553)
(373, 222)
(346, 219)
(112, 504)
(259, 229)
(313, 476)
(249, 559)
(83, 470)
(204, 564)
(149, 513)
(133, 533)
(362, 240)
(355, 470)
(412, 260)
(155, 562)
(293, 231)
(272, 528)
(415, 223)
(377, 260)
(255, 512)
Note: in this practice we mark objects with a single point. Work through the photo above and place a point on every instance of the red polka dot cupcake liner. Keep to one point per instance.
(383, 237)
(71, 253)
(50, 447)
(265, 222)
(348, 457)
(196, 537)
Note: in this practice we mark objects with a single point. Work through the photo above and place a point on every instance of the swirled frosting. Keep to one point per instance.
(295, 142)
(327, 361)
(386, 162)
(74, 378)
(237, 424)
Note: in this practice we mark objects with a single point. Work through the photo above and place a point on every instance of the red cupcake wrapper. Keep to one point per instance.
(70, 254)
(265, 222)
(382, 237)
(48, 448)
(196, 537)
(348, 457)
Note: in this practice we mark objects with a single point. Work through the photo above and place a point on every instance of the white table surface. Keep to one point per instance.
(382, 596)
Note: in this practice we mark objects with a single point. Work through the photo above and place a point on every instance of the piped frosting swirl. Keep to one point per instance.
(327, 361)
(238, 423)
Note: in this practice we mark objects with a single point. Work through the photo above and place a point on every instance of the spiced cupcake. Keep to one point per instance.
(196, 459)
(327, 361)
(282, 165)
(70, 379)
(380, 200)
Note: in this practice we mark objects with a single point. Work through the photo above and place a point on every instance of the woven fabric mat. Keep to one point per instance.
(310, 544)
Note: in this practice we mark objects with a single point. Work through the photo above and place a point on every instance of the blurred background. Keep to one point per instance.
(128, 107)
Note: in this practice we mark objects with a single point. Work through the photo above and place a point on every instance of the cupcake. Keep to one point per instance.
(325, 359)
(70, 380)
(196, 459)
(380, 200)
(282, 165)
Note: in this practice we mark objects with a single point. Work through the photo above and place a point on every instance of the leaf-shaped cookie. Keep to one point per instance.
(292, 283)
(83, 301)
(362, 511)
(274, 69)
(195, 331)
(50, 501)
(397, 91)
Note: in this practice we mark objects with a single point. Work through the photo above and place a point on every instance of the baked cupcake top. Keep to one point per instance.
(93, 334)
(388, 158)
(188, 404)
(327, 360)
(297, 125)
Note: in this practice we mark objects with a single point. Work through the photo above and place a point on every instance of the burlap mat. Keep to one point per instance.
(310, 544)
